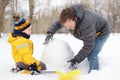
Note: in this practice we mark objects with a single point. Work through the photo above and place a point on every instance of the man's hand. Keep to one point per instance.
(48, 37)
(73, 64)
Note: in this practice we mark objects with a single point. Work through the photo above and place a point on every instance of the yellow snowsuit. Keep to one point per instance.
(22, 50)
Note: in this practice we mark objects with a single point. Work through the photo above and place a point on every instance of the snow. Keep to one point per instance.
(109, 58)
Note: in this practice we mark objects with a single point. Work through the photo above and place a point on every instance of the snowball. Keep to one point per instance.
(57, 53)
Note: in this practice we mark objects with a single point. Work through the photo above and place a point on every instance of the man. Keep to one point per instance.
(85, 25)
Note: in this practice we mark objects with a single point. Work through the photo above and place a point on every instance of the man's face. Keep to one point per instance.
(70, 24)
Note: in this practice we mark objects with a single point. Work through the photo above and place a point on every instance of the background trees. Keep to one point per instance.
(3, 4)
(43, 13)
(114, 15)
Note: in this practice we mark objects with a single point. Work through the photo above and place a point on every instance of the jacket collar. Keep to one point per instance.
(19, 33)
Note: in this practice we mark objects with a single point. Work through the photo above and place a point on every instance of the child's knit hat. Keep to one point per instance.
(20, 23)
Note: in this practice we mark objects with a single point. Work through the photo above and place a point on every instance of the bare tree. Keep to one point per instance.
(118, 15)
(114, 15)
(31, 9)
(3, 4)
(14, 6)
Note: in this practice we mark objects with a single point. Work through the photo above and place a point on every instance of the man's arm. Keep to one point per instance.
(55, 27)
(89, 43)
(51, 31)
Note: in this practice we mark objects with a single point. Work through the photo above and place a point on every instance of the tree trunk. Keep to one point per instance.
(3, 4)
(118, 15)
(31, 9)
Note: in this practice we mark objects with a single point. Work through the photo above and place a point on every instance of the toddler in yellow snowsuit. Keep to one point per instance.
(22, 47)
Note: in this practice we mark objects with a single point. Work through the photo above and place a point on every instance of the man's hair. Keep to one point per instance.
(68, 13)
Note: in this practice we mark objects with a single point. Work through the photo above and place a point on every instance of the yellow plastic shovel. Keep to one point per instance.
(72, 75)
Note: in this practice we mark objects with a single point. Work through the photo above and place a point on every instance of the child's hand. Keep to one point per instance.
(34, 70)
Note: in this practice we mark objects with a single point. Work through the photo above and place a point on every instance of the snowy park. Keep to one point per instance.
(47, 24)
(109, 58)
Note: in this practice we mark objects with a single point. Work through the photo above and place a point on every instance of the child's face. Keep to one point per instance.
(28, 30)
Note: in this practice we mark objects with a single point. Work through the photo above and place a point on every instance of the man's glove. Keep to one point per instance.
(34, 70)
(48, 37)
(73, 64)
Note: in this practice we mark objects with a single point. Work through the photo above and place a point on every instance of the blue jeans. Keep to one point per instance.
(93, 56)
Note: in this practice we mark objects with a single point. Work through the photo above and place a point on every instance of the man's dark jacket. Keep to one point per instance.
(87, 25)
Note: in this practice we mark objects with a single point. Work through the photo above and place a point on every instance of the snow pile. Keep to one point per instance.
(57, 53)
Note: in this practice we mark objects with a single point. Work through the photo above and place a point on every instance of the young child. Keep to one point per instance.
(22, 47)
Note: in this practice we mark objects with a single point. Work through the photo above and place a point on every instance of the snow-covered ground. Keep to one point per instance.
(109, 59)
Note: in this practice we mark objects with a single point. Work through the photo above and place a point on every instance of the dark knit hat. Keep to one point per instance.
(21, 24)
